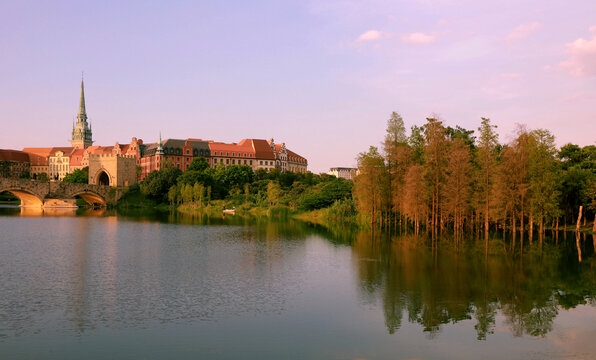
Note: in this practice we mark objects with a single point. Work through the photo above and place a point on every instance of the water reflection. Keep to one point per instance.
(78, 275)
(455, 284)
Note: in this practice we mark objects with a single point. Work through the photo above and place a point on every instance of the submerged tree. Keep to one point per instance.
(457, 191)
(398, 154)
(415, 201)
(435, 161)
(543, 176)
(370, 185)
(487, 161)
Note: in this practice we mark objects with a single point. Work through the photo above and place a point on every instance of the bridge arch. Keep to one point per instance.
(90, 197)
(27, 197)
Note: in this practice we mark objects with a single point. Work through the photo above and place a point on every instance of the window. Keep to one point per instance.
(227, 161)
(233, 154)
(187, 151)
(251, 162)
(177, 159)
(260, 162)
(233, 161)
(227, 154)
(244, 161)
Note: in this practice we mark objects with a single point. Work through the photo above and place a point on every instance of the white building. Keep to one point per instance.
(344, 173)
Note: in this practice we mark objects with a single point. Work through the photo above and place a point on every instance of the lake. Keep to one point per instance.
(99, 285)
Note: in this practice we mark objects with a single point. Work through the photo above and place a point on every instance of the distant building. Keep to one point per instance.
(14, 164)
(115, 161)
(344, 173)
(176, 152)
(256, 153)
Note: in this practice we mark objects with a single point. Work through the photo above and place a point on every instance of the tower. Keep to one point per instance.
(81, 131)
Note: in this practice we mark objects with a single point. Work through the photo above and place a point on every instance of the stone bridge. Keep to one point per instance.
(35, 193)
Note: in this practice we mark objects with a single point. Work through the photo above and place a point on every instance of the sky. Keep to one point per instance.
(321, 76)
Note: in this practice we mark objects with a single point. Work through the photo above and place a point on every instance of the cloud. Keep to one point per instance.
(418, 38)
(511, 75)
(582, 56)
(572, 97)
(524, 30)
(371, 35)
(442, 22)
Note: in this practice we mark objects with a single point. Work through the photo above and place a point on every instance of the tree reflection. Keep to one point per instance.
(436, 287)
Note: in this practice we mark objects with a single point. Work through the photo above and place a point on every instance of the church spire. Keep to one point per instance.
(81, 132)
(82, 111)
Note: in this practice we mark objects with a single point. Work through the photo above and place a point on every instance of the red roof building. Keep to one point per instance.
(14, 163)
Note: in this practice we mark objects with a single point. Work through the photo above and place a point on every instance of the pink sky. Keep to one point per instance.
(323, 76)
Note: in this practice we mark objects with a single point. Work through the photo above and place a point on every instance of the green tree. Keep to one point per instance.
(273, 193)
(416, 142)
(158, 182)
(397, 153)
(80, 176)
(187, 193)
(543, 176)
(487, 161)
(198, 192)
(198, 164)
(370, 185)
(173, 194)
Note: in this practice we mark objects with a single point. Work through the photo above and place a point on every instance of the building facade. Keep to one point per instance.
(112, 169)
(59, 164)
(344, 173)
(14, 164)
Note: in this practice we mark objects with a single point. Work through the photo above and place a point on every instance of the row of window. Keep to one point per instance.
(221, 153)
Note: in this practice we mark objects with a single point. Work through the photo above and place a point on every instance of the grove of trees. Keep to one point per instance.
(450, 178)
(239, 185)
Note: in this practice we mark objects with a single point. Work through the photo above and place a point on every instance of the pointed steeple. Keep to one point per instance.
(82, 111)
(81, 132)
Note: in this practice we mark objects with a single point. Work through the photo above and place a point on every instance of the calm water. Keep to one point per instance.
(142, 286)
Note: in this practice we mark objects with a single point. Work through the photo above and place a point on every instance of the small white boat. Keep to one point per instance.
(231, 211)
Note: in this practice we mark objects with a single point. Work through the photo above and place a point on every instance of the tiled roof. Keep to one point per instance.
(292, 156)
(179, 143)
(99, 150)
(230, 148)
(39, 156)
(76, 157)
(262, 149)
(13, 155)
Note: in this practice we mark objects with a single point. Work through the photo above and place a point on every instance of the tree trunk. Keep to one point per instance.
(579, 218)
(594, 226)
